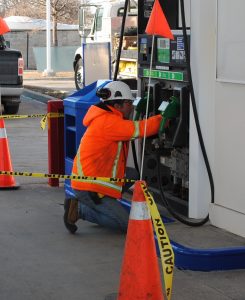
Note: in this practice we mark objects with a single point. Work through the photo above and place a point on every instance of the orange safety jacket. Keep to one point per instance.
(103, 148)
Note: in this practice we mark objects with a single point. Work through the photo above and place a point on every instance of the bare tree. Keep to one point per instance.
(2, 9)
(64, 11)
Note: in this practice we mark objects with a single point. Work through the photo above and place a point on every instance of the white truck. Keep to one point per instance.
(106, 21)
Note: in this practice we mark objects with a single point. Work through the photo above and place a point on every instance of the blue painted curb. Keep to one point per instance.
(37, 96)
(214, 259)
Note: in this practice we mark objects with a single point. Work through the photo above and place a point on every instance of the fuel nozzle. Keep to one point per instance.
(168, 111)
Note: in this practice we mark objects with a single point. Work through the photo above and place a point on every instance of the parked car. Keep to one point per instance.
(11, 77)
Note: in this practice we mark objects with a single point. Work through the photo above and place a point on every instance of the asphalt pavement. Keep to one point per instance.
(41, 260)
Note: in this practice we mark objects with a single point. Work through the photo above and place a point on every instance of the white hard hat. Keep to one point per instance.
(115, 90)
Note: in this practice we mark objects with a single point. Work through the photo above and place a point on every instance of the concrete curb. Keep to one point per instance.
(37, 96)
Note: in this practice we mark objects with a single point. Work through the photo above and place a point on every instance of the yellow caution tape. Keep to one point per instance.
(73, 177)
(43, 116)
(43, 121)
(165, 248)
(50, 115)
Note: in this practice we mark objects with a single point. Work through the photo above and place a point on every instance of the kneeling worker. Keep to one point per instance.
(103, 152)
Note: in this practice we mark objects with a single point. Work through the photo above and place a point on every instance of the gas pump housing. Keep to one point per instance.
(168, 78)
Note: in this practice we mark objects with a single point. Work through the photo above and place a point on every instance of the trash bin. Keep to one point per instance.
(75, 108)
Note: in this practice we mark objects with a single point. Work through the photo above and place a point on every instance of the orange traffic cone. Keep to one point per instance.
(140, 275)
(6, 182)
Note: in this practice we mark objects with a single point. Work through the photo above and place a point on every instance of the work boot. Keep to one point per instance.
(71, 214)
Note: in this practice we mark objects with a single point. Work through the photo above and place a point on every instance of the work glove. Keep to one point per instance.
(140, 108)
(170, 112)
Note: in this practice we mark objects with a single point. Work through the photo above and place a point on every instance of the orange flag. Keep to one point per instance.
(158, 24)
(3, 26)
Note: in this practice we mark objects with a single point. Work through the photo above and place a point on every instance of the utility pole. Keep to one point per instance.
(48, 71)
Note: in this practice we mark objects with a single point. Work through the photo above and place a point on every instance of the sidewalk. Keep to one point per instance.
(58, 86)
(41, 260)
(36, 75)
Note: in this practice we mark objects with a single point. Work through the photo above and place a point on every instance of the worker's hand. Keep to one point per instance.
(170, 112)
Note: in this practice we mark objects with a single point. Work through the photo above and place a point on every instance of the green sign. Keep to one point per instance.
(168, 75)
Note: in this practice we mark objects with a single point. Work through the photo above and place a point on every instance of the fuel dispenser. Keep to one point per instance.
(165, 76)
(166, 156)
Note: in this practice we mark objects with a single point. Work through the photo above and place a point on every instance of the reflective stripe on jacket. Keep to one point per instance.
(103, 149)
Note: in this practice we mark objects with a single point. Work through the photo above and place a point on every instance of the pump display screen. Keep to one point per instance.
(178, 51)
